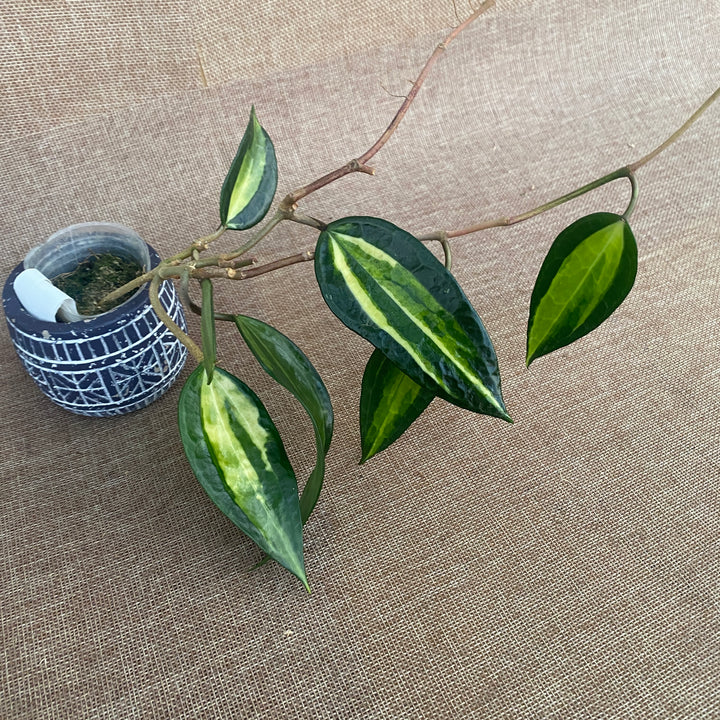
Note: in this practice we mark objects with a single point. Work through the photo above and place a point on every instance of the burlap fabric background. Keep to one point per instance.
(563, 567)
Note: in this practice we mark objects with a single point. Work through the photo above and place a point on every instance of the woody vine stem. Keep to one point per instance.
(189, 263)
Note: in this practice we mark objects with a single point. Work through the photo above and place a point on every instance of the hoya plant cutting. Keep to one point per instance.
(384, 284)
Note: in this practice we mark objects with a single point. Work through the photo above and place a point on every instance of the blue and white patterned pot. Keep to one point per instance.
(110, 364)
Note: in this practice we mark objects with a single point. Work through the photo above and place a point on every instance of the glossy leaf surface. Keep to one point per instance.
(587, 273)
(389, 288)
(236, 453)
(288, 365)
(389, 403)
(250, 184)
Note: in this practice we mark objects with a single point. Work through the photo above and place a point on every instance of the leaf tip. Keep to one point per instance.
(504, 415)
(371, 451)
(532, 355)
(367, 450)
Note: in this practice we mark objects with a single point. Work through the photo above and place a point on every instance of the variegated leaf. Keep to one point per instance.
(390, 402)
(289, 366)
(389, 288)
(587, 273)
(237, 455)
(250, 185)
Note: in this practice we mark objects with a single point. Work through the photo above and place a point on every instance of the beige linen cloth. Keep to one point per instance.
(566, 566)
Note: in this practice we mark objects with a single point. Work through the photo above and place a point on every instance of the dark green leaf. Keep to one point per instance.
(389, 403)
(587, 273)
(389, 288)
(209, 344)
(236, 453)
(288, 365)
(250, 185)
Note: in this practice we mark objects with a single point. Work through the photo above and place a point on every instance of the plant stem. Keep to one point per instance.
(647, 158)
(277, 218)
(127, 287)
(184, 290)
(306, 220)
(276, 265)
(224, 260)
(506, 221)
(443, 240)
(628, 171)
(359, 164)
(291, 200)
(207, 327)
(420, 80)
(226, 317)
(633, 196)
(200, 243)
(171, 325)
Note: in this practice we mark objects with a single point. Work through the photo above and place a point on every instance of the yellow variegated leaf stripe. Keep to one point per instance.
(579, 284)
(398, 394)
(250, 184)
(397, 291)
(237, 455)
(220, 399)
(586, 275)
(251, 172)
(389, 403)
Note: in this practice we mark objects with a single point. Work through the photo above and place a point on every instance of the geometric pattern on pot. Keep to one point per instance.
(112, 364)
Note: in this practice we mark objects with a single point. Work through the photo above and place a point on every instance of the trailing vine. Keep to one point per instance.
(384, 284)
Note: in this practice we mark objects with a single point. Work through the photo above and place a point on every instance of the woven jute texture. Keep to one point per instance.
(66, 60)
(565, 566)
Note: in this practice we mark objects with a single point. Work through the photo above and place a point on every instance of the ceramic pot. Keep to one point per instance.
(108, 364)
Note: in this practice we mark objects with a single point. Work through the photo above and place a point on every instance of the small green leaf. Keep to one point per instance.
(390, 289)
(237, 455)
(389, 403)
(207, 326)
(288, 365)
(250, 184)
(587, 273)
